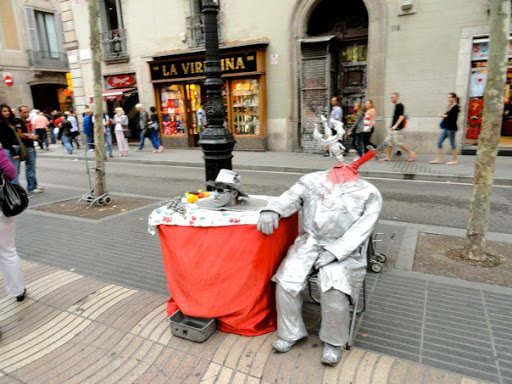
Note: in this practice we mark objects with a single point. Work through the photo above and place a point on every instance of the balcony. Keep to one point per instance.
(47, 59)
(195, 31)
(113, 44)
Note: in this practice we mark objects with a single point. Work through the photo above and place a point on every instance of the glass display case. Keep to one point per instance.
(246, 107)
(173, 111)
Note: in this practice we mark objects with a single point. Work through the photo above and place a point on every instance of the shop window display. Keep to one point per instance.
(246, 110)
(477, 83)
(194, 95)
(172, 111)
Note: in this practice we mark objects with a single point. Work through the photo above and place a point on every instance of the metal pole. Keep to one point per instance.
(216, 141)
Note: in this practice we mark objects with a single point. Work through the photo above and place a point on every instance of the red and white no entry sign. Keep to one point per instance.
(8, 81)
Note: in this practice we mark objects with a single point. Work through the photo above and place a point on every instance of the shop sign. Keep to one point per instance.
(243, 62)
(120, 81)
(69, 81)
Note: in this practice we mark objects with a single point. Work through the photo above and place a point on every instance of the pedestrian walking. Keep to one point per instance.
(396, 135)
(75, 130)
(201, 118)
(53, 116)
(8, 138)
(145, 130)
(28, 140)
(369, 124)
(356, 130)
(40, 123)
(89, 129)
(121, 131)
(154, 127)
(336, 114)
(107, 121)
(65, 133)
(10, 262)
(449, 130)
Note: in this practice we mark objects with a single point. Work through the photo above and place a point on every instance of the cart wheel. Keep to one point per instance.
(376, 267)
(348, 347)
(89, 199)
(100, 202)
(380, 257)
(108, 200)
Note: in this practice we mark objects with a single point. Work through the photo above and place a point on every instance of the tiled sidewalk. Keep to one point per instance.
(75, 329)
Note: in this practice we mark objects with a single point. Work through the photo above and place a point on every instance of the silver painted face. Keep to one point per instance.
(223, 197)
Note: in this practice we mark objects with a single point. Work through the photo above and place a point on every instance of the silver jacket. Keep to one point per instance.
(337, 218)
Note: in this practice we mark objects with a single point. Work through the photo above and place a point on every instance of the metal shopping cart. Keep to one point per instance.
(90, 197)
(375, 260)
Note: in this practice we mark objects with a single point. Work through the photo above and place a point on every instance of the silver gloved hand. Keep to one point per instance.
(267, 222)
(325, 258)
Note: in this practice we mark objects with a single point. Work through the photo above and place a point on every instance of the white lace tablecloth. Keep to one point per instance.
(196, 216)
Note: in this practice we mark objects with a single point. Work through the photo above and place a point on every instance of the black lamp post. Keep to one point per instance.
(217, 142)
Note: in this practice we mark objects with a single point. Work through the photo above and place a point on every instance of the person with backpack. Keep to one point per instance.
(154, 127)
(396, 135)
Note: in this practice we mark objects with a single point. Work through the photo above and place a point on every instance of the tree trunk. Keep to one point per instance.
(99, 138)
(491, 127)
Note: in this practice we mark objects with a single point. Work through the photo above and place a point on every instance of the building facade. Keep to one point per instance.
(283, 60)
(33, 62)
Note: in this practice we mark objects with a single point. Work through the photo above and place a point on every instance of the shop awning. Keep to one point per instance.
(114, 93)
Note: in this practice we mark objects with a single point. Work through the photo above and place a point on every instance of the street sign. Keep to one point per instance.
(8, 81)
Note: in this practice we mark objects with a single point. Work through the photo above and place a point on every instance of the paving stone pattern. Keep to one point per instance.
(443, 326)
(75, 329)
(458, 329)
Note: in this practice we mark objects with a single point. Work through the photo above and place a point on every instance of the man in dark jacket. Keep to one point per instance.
(28, 140)
(65, 132)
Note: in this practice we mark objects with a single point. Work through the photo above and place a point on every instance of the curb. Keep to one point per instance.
(449, 178)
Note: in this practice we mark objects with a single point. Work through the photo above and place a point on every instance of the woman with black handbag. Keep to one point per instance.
(10, 263)
(449, 130)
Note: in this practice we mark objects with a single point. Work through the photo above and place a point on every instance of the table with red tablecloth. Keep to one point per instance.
(224, 271)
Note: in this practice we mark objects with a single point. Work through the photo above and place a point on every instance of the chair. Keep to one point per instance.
(313, 292)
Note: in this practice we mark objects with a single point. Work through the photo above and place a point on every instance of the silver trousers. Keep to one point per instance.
(335, 324)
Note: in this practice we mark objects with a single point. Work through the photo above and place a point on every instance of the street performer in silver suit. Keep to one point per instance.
(340, 212)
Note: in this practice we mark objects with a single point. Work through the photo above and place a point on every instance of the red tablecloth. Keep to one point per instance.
(224, 272)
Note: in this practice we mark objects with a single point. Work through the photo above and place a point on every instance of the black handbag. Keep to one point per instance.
(127, 134)
(13, 198)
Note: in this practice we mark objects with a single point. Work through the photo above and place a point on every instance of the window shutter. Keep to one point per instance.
(103, 16)
(30, 20)
(60, 33)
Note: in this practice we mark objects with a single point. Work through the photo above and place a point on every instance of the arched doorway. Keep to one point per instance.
(339, 52)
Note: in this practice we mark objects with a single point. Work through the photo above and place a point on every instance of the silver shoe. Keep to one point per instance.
(283, 346)
(331, 355)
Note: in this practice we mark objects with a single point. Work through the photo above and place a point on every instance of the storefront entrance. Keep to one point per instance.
(180, 94)
(334, 63)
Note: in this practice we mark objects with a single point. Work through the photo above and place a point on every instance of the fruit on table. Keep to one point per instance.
(193, 196)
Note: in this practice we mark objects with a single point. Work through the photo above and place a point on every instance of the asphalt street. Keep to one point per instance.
(420, 202)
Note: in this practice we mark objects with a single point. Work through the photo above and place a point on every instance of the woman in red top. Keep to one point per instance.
(369, 124)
